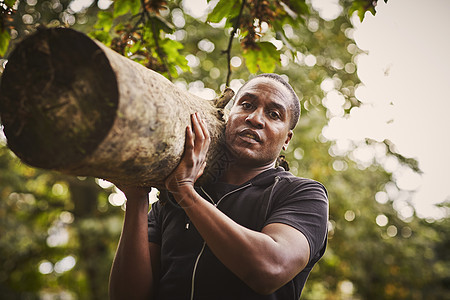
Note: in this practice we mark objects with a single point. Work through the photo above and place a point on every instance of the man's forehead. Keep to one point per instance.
(265, 87)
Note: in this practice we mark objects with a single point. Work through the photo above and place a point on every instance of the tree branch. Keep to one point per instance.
(159, 50)
(230, 41)
(155, 33)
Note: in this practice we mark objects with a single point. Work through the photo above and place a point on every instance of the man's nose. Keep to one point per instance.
(256, 119)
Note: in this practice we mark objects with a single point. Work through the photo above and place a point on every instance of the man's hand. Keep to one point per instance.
(134, 193)
(193, 161)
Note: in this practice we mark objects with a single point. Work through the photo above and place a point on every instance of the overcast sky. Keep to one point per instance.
(409, 64)
(406, 78)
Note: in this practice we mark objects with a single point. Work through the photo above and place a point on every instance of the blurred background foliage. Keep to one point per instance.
(58, 233)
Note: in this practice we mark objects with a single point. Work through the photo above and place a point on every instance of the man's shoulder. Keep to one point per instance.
(289, 177)
(290, 182)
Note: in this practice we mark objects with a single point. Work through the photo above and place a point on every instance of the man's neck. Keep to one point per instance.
(238, 174)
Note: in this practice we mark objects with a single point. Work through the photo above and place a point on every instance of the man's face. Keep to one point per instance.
(258, 125)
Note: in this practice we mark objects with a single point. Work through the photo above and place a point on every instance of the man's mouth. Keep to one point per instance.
(250, 135)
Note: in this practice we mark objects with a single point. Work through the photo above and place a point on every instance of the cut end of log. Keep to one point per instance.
(50, 97)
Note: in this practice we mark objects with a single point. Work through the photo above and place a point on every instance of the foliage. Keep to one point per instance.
(374, 250)
(137, 29)
(142, 35)
(362, 6)
(5, 17)
(44, 229)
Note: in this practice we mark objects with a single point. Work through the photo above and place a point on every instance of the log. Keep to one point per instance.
(71, 104)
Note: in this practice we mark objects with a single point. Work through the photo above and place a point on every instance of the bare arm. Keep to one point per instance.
(265, 260)
(136, 261)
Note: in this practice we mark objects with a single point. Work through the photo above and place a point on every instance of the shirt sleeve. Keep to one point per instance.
(303, 204)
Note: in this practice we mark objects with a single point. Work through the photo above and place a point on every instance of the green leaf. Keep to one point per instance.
(10, 3)
(269, 57)
(355, 7)
(122, 7)
(119, 27)
(251, 60)
(224, 9)
(182, 62)
(104, 20)
(101, 36)
(265, 59)
(299, 7)
(361, 14)
(171, 49)
(4, 41)
(295, 13)
(135, 6)
(148, 33)
(360, 6)
(135, 47)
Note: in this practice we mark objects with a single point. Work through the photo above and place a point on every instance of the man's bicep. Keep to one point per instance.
(306, 210)
(292, 243)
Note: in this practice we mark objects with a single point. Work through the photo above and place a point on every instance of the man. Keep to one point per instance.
(255, 234)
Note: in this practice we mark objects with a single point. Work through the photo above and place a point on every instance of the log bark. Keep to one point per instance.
(71, 104)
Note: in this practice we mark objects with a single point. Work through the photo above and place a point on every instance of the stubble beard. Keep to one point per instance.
(244, 155)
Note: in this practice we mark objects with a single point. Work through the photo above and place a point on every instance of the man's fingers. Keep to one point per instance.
(196, 124)
(205, 141)
(202, 138)
(189, 144)
(205, 130)
(203, 126)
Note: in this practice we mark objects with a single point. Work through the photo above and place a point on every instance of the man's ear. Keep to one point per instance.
(288, 139)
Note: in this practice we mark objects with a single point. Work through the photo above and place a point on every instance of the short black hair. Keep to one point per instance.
(295, 112)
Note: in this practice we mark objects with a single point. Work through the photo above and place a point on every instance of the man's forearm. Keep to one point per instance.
(262, 261)
(131, 273)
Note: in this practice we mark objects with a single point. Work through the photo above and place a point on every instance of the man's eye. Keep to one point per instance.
(274, 115)
(246, 105)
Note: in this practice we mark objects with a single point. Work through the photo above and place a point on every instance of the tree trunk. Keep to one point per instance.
(71, 104)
